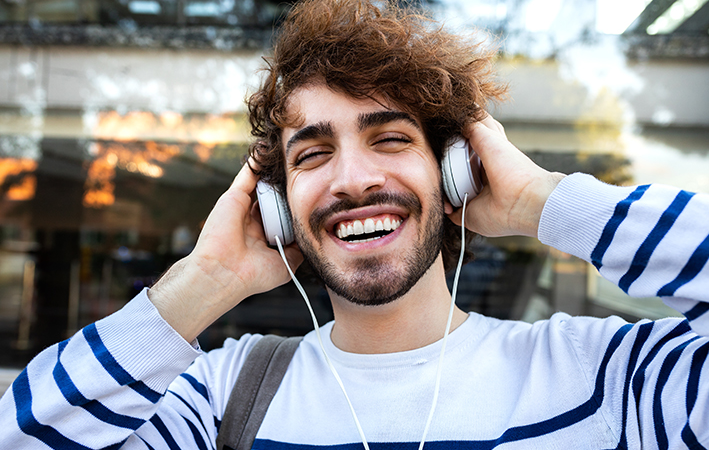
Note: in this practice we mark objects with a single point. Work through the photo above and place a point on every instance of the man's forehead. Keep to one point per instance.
(320, 106)
(311, 99)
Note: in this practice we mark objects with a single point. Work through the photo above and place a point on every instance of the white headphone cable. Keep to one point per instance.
(439, 371)
(322, 347)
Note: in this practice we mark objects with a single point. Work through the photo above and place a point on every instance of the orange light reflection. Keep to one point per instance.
(208, 129)
(25, 189)
(136, 158)
(134, 145)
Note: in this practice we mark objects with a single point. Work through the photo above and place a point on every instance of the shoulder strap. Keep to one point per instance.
(253, 391)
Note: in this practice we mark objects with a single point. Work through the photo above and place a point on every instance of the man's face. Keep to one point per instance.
(364, 190)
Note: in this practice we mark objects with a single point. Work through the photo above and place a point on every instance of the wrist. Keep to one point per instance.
(534, 205)
(190, 298)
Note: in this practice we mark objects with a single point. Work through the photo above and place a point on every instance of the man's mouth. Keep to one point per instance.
(366, 230)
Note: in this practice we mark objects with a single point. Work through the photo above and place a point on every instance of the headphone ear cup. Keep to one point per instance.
(274, 214)
(461, 171)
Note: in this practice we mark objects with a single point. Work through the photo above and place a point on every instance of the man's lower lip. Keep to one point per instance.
(359, 241)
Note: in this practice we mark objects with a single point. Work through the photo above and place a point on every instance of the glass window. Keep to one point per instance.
(259, 13)
(116, 140)
(88, 222)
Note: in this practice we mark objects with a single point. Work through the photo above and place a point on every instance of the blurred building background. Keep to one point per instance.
(122, 121)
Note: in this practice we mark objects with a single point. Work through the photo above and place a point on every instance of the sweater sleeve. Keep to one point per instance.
(650, 377)
(650, 240)
(97, 388)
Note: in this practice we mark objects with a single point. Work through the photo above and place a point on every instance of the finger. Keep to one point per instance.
(239, 199)
(483, 139)
(455, 216)
(447, 207)
(474, 211)
(246, 179)
(293, 256)
(256, 213)
(493, 124)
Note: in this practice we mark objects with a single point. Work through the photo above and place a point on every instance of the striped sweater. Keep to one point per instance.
(129, 381)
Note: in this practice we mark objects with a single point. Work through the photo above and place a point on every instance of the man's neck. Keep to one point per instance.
(415, 320)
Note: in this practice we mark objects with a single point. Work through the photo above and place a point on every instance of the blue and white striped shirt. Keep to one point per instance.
(129, 381)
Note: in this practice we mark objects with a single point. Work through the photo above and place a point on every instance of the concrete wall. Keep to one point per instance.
(582, 85)
(663, 92)
(125, 79)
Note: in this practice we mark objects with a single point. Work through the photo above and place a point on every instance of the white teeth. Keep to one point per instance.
(369, 225)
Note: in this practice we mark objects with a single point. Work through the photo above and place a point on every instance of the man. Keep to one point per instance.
(344, 146)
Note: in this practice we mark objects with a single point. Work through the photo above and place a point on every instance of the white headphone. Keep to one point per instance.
(274, 214)
(461, 170)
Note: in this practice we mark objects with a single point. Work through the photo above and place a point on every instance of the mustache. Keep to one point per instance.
(407, 201)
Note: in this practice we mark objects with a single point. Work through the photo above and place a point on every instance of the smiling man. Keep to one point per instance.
(350, 124)
(351, 164)
(373, 166)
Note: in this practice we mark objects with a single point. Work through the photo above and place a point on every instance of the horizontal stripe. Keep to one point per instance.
(198, 439)
(699, 310)
(192, 410)
(520, 433)
(196, 385)
(663, 225)
(75, 398)
(665, 370)
(266, 444)
(164, 432)
(689, 438)
(690, 270)
(146, 444)
(698, 360)
(113, 368)
(639, 377)
(29, 424)
(641, 338)
(619, 215)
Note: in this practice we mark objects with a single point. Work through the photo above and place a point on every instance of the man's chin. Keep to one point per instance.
(371, 282)
(377, 280)
(368, 295)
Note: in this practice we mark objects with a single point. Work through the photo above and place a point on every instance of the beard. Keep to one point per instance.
(376, 280)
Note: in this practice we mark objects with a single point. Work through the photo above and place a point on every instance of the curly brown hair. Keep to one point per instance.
(366, 51)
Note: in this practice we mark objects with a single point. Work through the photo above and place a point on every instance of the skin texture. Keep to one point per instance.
(345, 165)
(516, 188)
(354, 168)
(351, 158)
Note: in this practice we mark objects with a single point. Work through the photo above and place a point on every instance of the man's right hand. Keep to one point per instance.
(515, 191)
(230, 262)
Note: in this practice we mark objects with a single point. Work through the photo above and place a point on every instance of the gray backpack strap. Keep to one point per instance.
(253, 391)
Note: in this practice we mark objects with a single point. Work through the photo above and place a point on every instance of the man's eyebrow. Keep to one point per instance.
(315, 131)
(373, 119)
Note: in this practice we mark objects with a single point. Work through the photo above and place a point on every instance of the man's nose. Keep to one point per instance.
(357, 172)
